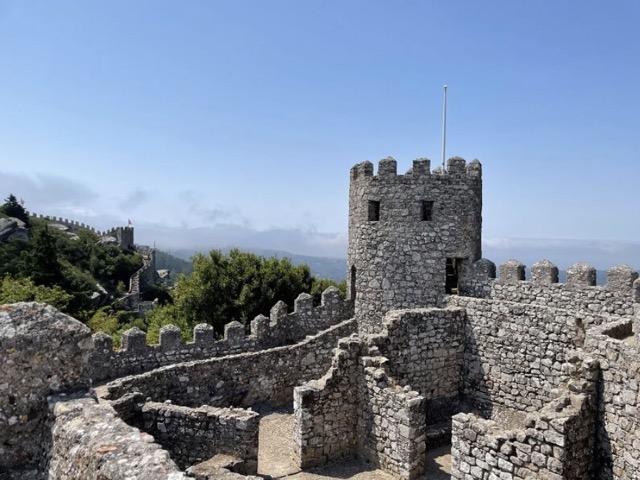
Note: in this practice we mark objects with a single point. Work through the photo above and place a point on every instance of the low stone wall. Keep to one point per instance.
(391, 424)
(425, 348)
(89, 441)
(194, 435)
(281, 328)
(556, 443)
(326, 410)
(616, 347)
(513, 352)
(239, 380)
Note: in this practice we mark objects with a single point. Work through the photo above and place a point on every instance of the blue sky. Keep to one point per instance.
(210, 123)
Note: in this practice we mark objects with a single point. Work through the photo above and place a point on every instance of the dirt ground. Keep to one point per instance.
(276, 458)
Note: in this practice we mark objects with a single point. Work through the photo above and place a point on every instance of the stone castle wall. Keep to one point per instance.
(382, 422)
(555, 443)
(402, 229)
(88, 440)
(194, 435)
(616, 347)
(578, 294)
(391, 422)
(326, 410)
(425, 349)
(513, 352)
(124, 235)
(281, 328)
(238, 380)
(43, 352)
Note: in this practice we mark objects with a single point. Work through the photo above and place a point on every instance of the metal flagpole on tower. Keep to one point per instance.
(444, 128)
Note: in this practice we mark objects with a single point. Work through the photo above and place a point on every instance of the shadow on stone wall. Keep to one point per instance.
(475, 396)
(603, 454)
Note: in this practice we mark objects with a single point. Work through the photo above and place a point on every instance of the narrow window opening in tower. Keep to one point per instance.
(374, 210)
(427, 210)
(352, 286)
(451, 282)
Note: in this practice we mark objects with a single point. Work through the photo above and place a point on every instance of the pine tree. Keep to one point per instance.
(45, 268)
(13, 208)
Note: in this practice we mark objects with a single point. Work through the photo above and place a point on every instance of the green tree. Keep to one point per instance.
(24, 290)
(13, 208)
(45, 268)
(237, 286)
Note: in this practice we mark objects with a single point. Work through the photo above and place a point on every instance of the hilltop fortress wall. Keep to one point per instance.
(124, 235)
(281, 328)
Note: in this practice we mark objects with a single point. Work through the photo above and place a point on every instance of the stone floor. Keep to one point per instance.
(276, 458)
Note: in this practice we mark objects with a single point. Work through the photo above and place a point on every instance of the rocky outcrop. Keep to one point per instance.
(13, 229)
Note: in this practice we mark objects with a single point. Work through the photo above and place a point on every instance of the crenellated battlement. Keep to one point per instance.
(420, 171)
(580, 292)
(72, 224)
(123, 235)
(282, 328)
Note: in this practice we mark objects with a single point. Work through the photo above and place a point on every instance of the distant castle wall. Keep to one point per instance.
(123, 235)
(281, 329)
(71, 224)
(145, 277)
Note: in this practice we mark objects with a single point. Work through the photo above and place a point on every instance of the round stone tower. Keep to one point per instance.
(410, 236)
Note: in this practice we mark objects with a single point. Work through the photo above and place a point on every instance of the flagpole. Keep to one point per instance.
(444, 128)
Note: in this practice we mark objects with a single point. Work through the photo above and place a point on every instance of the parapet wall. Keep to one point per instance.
(578, 294)
(88, 440)
(281, 328)
(74, 225)
(194, 435)
(238, 380)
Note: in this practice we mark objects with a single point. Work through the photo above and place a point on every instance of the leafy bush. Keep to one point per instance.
(24, 290)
